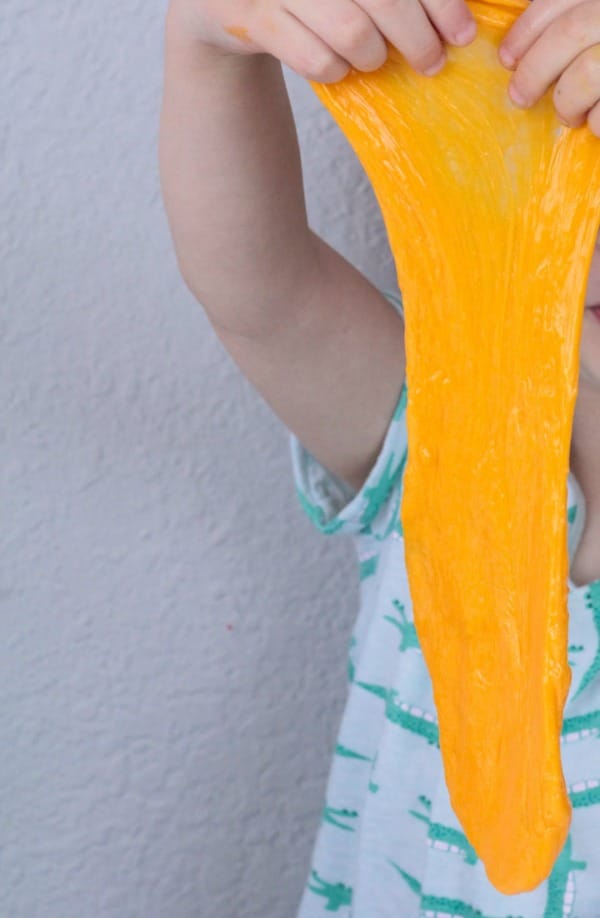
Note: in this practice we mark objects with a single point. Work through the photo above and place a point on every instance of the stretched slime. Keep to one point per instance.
(492, 214)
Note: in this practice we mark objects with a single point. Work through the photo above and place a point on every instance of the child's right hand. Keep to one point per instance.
(322, 39)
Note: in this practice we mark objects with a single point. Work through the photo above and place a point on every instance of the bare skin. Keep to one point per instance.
(229, 158)
(585, 441)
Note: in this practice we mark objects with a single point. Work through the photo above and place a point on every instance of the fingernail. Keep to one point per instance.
(466, 34)
(435, 68)
(506, 58)
(517, 97)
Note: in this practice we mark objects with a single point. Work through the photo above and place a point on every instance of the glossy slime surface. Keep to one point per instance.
(492, 214)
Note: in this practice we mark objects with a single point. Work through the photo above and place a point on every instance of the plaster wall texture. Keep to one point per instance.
(173, 632)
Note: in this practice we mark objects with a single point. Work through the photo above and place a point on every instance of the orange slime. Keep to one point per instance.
(492, 214)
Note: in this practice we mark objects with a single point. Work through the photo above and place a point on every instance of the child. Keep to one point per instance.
(326, 351)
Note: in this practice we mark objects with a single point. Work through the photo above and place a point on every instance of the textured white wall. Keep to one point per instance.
(173, 632)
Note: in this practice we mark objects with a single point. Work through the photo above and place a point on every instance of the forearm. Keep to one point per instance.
(232, 182)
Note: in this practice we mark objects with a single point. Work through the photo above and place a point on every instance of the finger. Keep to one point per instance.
(452, 19)
(553, 52)
(529, 26)
(594, 120)
(406, 25)
(578, 89)
(287, 39)
(346, 29)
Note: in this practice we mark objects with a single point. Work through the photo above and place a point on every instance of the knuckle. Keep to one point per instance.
(324, 66)
(427, 55)
(353, 30)
(316, 61)
(378, 60)
(566, 117)
(373, 63)
(337, 73)
(568, 105)
(525, 77)
(589, 68)
(574, 25)
(562, 110)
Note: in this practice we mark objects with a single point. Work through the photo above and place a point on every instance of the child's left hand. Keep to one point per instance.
(557, 40)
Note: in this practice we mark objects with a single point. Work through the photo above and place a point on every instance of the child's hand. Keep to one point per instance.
(322, 39)
(557, 40)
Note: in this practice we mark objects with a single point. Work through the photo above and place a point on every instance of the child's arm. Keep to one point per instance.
(322, 345)
(232, 183)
